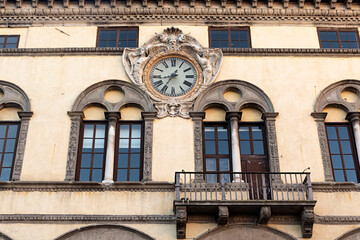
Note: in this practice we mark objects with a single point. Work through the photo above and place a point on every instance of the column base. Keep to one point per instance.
(107, 182)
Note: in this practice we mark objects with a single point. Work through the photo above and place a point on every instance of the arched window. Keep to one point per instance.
(234, 127)
(14, 122)
(111, 134)
(338, 121)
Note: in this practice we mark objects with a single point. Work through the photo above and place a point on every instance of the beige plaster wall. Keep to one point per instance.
(335, 115)
(284, 37)
(9, 114)
(346, 203)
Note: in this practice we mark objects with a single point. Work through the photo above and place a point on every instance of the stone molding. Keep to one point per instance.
(198, 118)
(350, 235)
(331, 187)
(243, 52)
(4, 237)
(148, 118)
(339, 220)
(22, 186)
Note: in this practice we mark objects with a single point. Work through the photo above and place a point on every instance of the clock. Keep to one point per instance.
(172, 75)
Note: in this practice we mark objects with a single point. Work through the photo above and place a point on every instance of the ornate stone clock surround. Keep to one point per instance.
(172, 41)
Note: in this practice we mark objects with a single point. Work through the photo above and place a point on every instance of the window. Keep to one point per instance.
(9, 41)
(8, 142)
(339, 38)
(117, 37)
(229, 38)
(128, 164)
(342, 153)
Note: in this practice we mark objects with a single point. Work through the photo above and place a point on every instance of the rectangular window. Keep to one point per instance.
(8, 142)
(229, 38)
(92, 152)
(117, 37)
(9, 41)
(216, 151)
(338, 38)
(128, 165)
(343, 157)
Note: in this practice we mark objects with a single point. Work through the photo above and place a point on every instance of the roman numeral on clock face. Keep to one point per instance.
(163, 90)
(165, 64)
(187, 83)
(189, 76)
(173, 62)
(188, 69)
(158, 83)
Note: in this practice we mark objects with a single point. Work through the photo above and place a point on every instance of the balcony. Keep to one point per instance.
(226, 194)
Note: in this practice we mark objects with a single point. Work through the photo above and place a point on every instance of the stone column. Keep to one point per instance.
(272, 146)
(354, 118)
(112, 118)
(324, 146)
(198, 118)
(148, 118)
(234, 118)
(76, 117)
(24, 126)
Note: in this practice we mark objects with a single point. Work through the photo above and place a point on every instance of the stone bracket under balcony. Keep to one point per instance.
(262, 209)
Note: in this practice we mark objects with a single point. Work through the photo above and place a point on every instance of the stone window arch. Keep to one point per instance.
(12, 96)
(104, 232)
(248, 96)
(342, 95)
(353, 234)
(95, 95)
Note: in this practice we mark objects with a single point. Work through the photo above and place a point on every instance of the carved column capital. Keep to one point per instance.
(76, 115)
(148, 116)
(269, 116)
(264, 215)
(25, 115)
(181, 219)
(233, 116)
(307, 221)
(353, 116)
(319, 116)
(197, 116)
(112, 116)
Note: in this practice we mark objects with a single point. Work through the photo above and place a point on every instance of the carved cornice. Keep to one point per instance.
(80, 218)
(335, 187)
(337, 220)
(86, 187)
(212, 14)
(243, 52)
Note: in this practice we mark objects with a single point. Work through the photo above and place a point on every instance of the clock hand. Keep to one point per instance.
(174, 74)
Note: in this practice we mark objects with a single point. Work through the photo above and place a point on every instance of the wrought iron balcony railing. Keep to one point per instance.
(243, 186)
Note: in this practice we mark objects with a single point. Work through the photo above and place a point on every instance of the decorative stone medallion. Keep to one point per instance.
(173, 68)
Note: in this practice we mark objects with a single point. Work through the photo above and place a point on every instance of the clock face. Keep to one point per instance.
(173, 76)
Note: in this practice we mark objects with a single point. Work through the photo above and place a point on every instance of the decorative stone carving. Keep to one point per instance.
(324, 147)
(172, 41)
(223, 215)
(181, 219)
(148, 144)
(269, 119)
(264, 215)
(24, 126)
(197, 118)
(4, 237)
(307, 221)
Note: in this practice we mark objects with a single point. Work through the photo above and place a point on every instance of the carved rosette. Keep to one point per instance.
(181, 219)
(172, 41)
(307, 221)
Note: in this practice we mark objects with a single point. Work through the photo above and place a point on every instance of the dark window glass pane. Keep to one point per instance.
(1, 45)
(234, 35)
(209, 133)
(256, 133)
(224, 44)
(339, 176)
(352, 36)
(348, 161)
(12, 132)
(98, 160)
(10, 145)
(332, 36)
(5, 174)
(88, 131)
(224, 164)
(123, 35)
(112, 35)
(134, 175)
(1, 145)
(103, 34)
(132, 34)
(84, 175)
(122, 175)
(99, 145)
(124, 145)
(86, 160)
(325, 44)
(244, 133)
(131, 44)
(210, 164)
(210, 147)
(345, 45)
(222, 133)
(123, 160)
(331, 132)
(244, 44)
(2, 39)
(224, 178)
(245, 147)
(343, 133)
(354, 45)
(135, 145)
(258, 147)
(8, 159)
(100, 131)
(343, 36)
(10, 45)
(135, 161)
(211, 178)
(111, 44)
(12, 40)
(2, 131)
(214, 35)
(334, 44)
(243, 35)
(87, 145)
(124, 131)
(351, 176)
(345, 147)
(235, 44)
(336, 160)
(97, 175)
(334, 147)
(136, 131)
(323, 36)
(122, 43)
(223, 35)
(215, 44)
(102, 43)
(223, 147)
